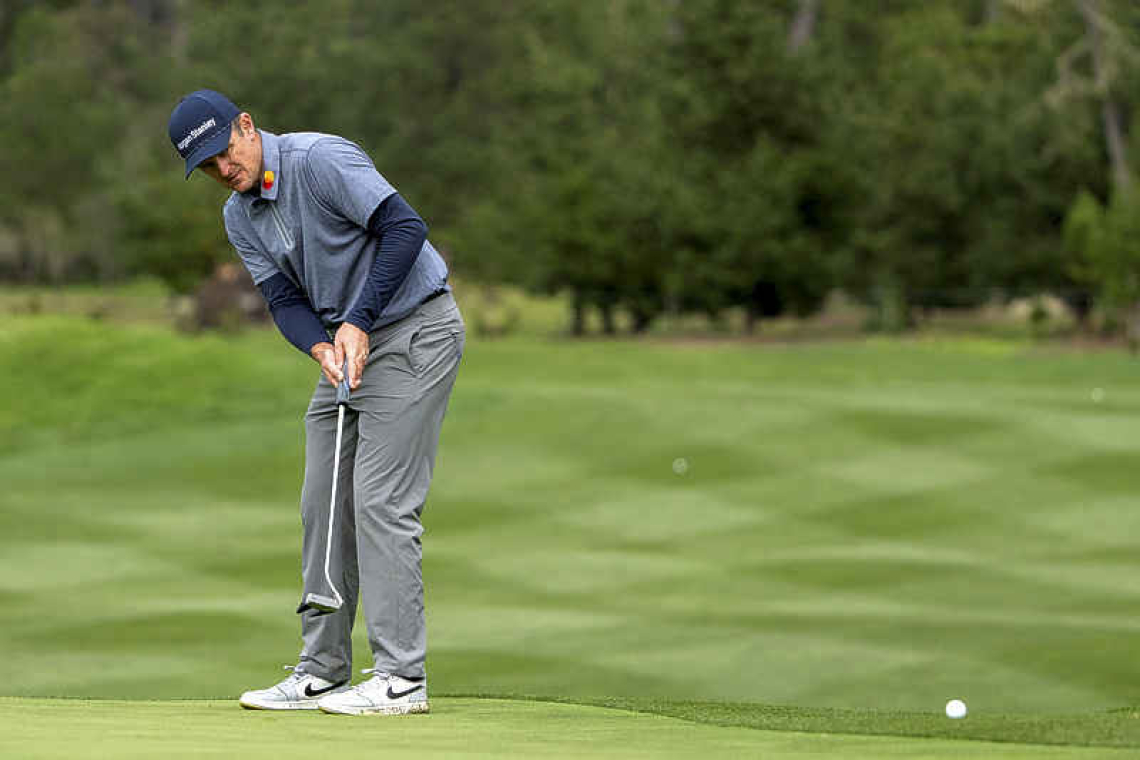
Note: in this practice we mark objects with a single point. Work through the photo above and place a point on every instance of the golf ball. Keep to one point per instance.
(680, 465)
(1097, 395)
(955, 708)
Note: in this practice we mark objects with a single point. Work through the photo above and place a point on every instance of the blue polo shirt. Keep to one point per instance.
(311, 225)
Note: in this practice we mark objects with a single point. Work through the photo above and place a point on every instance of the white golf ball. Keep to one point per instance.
(680, 465)
(955, 708)
(1097, 395)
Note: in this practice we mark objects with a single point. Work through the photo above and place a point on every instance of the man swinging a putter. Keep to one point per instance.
(352, 281)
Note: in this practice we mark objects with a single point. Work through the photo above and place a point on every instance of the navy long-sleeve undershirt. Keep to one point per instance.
(293, 313)
(402, 234)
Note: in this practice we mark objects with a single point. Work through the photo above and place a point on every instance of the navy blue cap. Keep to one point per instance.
(200, 126)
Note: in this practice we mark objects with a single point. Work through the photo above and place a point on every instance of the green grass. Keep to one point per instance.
(490, 727)
(1115, 728)
(137, 302)
(864, 530)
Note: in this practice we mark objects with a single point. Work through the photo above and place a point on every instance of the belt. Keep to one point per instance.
(435, 295)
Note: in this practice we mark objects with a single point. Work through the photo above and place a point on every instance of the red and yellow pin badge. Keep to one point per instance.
(267, 180)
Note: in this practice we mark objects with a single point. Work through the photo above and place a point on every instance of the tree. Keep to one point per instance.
(1104, 239)
(748, 107)
(76, 76)
(1097, 71)
(1105, 42)
(966, 171)
(582, 209)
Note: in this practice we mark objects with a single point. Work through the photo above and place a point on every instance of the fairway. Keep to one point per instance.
(877, 525)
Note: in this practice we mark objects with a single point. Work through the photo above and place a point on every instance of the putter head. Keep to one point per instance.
(323, 605)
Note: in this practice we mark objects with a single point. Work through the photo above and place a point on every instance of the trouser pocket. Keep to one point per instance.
(436, 345)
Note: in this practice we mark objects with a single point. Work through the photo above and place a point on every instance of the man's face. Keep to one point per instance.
(239, 166)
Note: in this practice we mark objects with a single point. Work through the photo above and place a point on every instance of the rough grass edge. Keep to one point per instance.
(1117, 728)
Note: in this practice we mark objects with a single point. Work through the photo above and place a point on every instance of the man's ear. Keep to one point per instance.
(246, 123)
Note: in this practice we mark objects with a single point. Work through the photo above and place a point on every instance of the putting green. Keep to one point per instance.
(39, 729)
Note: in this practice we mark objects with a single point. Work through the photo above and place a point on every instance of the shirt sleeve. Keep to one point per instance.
(402, 234)
(293, 314)
(344, 180)
(260, 266)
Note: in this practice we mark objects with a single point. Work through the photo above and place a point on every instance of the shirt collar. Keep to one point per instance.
(270, 178)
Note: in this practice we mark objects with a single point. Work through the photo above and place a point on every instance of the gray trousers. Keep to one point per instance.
(389, 441)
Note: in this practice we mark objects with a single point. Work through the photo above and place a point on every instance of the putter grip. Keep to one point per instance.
(342, 388)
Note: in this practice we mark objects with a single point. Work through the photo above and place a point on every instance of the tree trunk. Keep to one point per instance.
(179, 31)
(803, 26)
(1132, 328)
(641, 320)
(751, 318)
(992, 12)
(1111, 113)
(578, 327)
(609, 326)
(1114, 134)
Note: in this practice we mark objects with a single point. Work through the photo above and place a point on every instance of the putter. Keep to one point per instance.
(325, 604)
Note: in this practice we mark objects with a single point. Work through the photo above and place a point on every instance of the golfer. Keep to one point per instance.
(352, 281)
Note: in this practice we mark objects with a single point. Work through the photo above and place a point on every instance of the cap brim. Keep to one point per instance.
(210, 147)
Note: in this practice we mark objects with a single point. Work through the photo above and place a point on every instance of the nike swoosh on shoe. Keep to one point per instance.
(309, 692)
(399, 694)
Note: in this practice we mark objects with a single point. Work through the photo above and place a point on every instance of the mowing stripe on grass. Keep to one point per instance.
(881, 525)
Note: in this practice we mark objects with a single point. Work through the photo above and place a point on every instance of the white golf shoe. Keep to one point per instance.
(383, 694)
(300, 691)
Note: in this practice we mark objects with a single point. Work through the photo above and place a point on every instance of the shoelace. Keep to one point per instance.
(366, 685)
(295, 675)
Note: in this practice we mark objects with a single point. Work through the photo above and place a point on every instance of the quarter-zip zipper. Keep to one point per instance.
(282, 230)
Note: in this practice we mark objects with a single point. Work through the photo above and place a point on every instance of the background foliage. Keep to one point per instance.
(640, 156)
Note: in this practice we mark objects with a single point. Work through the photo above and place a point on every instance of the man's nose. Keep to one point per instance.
(224, 165)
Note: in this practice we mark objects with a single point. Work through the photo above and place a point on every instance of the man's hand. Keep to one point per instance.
(351, 342)
(325, 355)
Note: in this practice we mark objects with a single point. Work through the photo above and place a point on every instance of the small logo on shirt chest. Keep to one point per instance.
(267, 180)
